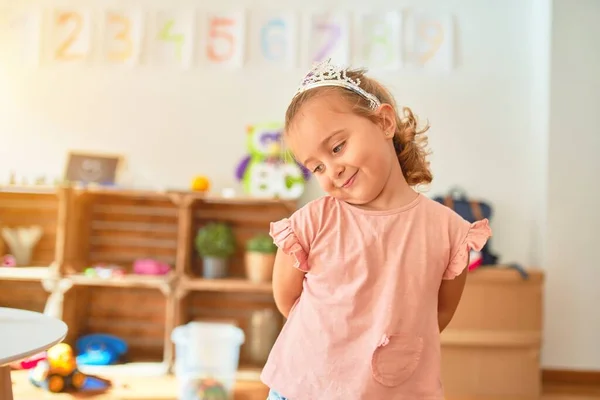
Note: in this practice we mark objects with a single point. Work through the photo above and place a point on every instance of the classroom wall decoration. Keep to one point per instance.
(189, 38)
(268, 171)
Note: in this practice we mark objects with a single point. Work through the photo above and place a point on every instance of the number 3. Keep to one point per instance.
(123, 35)
(62, 53)
(216, 33)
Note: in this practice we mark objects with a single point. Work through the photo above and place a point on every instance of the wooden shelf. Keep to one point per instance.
(35, 274)
(126, 281)
(117, 226)
(239, 285)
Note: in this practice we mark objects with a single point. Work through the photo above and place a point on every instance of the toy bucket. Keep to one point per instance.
(207, 357)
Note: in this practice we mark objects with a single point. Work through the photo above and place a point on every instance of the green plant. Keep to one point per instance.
(215, 239)
(261, 243)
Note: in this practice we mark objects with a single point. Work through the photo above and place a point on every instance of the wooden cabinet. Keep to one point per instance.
(83, 227)
(492, 346)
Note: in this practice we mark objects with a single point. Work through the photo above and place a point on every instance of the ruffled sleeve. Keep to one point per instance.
(475, 238)
(286, 239)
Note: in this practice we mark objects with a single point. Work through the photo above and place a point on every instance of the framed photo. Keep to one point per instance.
(91, 168)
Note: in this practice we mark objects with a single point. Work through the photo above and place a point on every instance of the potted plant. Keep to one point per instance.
(260, 258)
(215, 242)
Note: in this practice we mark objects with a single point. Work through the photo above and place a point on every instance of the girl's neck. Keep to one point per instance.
(395, 194)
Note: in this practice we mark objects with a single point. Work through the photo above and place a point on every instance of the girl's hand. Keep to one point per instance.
(287, 282)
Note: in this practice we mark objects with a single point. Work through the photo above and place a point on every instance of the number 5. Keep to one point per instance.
(218, 31)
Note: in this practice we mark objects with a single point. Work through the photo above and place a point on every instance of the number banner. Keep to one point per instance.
(430, 39)
(173, 38)
(381, 40)
(71, 36)
(123, 34)
(329, 37)
(223, 39)
(274, 39)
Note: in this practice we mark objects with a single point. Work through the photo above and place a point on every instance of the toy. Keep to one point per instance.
(100, 349)
(211, 389)
(268, 171)
(200, 184)
(148, 266)
(8, 261)
(58, 372)
(104, 271)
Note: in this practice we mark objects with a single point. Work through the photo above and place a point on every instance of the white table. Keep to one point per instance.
(23, 334)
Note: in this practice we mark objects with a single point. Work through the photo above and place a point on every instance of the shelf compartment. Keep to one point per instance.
(246, 217)
(118, 229)
(134, 314)
(255, 313)
(26, 295)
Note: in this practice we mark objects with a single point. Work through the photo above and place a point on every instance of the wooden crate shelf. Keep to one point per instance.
(236, 285)
(21, 286)
(86, 227)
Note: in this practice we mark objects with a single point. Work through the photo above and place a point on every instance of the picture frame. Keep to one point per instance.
(93, 168)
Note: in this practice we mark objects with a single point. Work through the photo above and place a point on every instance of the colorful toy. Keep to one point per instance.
(148, 266)
(268, 171)
(100, 349)
(200, 184)
(58, 372)
(210, 389)
(8, 261)
(104, 271)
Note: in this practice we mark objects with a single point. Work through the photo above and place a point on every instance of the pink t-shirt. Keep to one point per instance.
(365, 326)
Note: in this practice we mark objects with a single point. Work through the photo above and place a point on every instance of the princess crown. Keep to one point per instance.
(327, 74)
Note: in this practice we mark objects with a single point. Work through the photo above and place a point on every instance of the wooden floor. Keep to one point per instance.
(165, 388)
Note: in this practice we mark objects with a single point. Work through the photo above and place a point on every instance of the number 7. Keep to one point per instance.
(335, 34)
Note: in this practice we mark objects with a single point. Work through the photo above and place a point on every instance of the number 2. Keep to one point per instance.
(216, 33)
(62, 52)
(123, 35)
(335, 33)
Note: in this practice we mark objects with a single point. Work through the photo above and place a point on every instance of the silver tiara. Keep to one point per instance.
(327, 74)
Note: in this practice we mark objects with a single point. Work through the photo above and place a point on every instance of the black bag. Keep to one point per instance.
(473, 210)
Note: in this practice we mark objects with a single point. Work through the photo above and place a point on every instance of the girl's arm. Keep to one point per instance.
(287, 282)
(448, 298)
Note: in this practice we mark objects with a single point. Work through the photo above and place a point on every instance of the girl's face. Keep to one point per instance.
(351, 156)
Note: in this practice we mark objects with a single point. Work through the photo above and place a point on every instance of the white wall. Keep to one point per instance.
(487, 134)
(573, 218)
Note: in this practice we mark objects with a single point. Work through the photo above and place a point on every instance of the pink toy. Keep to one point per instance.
(148, 266)
(475, 260)
(8, 261)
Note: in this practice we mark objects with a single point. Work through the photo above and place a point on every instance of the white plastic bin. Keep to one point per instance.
(205, 352)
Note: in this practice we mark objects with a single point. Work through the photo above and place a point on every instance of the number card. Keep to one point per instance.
(71, 36)
(381, 40)
(223, 39)
(329, 37)
(20, 33)
(274, 39)
(173, 38)
(123, 33)
(431, 41)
